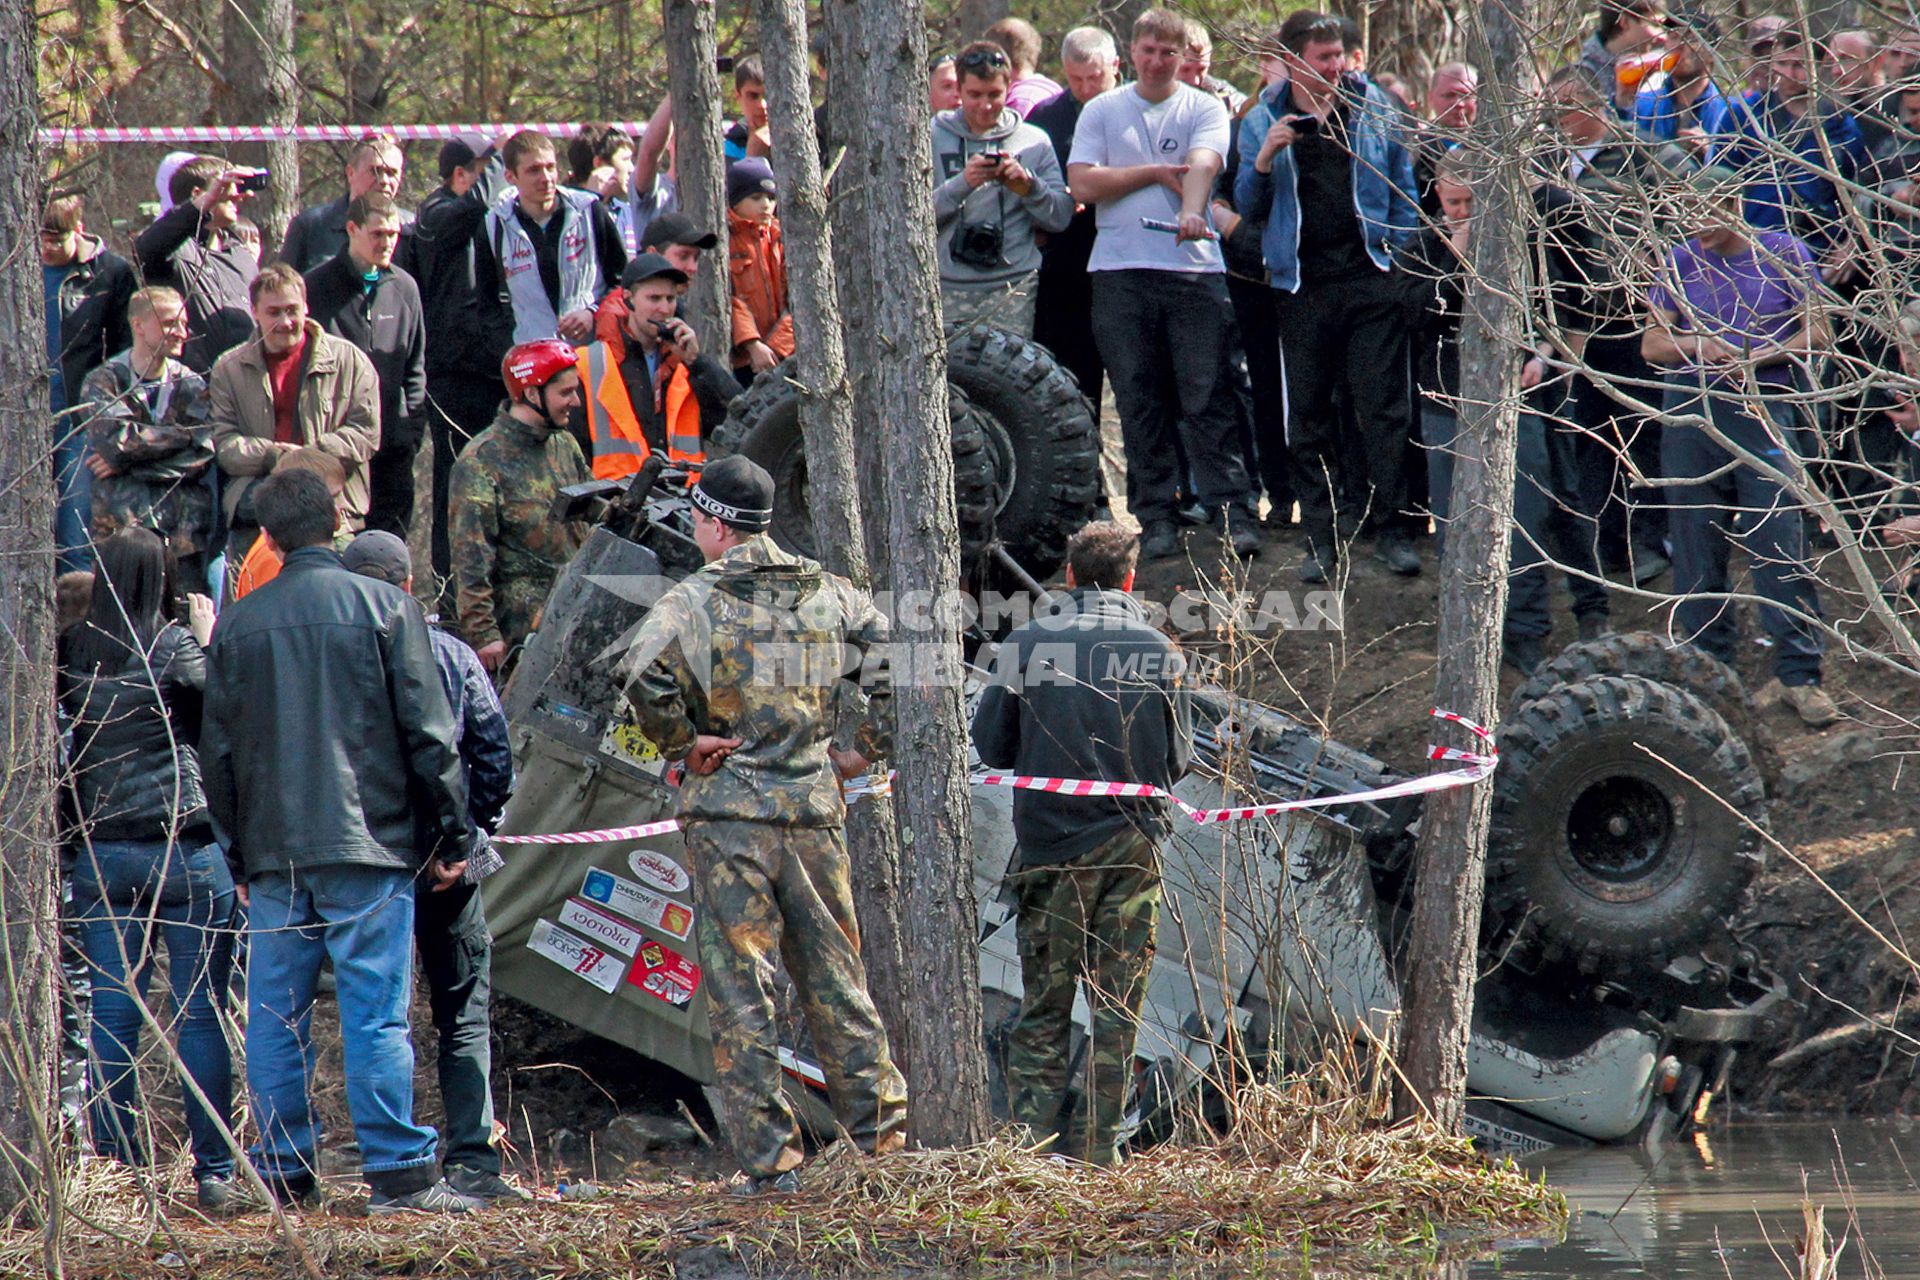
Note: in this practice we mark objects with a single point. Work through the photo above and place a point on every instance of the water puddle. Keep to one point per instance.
(1728, 1205)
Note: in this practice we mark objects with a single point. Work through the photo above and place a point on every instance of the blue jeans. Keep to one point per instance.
(73, 485)
(123, 892)
(1739, 504)
(361, 918)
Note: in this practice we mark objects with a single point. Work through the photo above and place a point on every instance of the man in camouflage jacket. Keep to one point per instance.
(736, 671)
(150, 438)
(507, 547)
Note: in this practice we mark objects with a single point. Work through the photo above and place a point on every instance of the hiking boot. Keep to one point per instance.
(1316, 567)
(1648, 564)
(436, 1198)
(1241, 529)
(779, 1184)
(226, 1197)
(1523, 653)
(1594, 625)
(1159, 540)
(1808, 701)
(478, 1184)
(1397, 553)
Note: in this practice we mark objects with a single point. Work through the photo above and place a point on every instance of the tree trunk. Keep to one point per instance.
(896, 288)
(27, 858)
(257, 54)
(700, 166)
(819, 368)
(1450, 872)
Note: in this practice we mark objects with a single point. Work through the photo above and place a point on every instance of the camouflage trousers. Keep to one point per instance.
(1088, 920)
(763, 889)
(1006, 303)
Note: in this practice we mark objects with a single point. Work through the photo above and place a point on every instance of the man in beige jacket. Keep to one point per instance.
(294, 386)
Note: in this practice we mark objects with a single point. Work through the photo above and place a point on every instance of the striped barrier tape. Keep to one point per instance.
(57, 135)
(1478, 767)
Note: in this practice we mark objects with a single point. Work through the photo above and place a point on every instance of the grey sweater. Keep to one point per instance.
(1048, 207)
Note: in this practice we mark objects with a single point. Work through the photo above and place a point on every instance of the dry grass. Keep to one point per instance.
(1299, 1176)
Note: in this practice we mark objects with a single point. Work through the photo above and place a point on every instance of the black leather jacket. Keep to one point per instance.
(327, 729)
(134, 773)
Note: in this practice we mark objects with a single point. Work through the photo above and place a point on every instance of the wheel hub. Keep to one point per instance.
(1619, 829)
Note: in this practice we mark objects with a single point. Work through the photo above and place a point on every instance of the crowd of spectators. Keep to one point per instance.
(1270, 284)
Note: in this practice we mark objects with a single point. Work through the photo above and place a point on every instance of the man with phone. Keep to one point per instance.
(648, 386)
(1325, 156)
(999, 186)
(192, 249)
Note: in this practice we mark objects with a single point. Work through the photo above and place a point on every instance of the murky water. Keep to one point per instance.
(1728, 1205)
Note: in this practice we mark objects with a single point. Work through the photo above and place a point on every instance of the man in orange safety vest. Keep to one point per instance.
(646, 385)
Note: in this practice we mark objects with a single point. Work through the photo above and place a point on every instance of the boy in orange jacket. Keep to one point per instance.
(757, 261)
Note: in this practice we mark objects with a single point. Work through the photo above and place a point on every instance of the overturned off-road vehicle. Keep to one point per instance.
(1628, 804)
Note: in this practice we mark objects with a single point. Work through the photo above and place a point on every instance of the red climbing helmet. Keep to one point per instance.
(534, 364)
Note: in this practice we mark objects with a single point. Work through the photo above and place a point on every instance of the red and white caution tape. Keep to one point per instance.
(1478, 767)
(302, 132)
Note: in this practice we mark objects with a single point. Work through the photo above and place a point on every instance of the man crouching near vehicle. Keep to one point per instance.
(1089, 690)
(711, 685)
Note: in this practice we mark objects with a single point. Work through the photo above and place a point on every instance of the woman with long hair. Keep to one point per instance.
(132, 681)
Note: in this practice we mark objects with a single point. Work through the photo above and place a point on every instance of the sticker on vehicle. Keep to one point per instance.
(660, 871)
(583, 958)
(624, 896)
(603, 927)
(661, 971)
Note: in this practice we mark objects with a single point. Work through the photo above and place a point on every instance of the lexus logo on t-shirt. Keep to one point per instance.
(1169, 144)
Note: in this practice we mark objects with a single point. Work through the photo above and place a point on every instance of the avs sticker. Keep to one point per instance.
(584, 959)
(661, 971)
(630, 900)
(603, 927)
(660, 871)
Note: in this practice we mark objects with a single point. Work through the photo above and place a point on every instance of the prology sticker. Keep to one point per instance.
(660, 871)
(661, 971)
(603, 927)
(583, 958)
(629, 899)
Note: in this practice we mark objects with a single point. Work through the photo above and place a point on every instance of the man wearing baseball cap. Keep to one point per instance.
(737, 672)
(674, 237)
(647, 385)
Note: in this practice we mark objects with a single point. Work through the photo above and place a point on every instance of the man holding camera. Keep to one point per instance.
(1000, 183)
(647, 386)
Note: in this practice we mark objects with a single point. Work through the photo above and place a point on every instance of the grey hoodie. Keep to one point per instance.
(1048, 208)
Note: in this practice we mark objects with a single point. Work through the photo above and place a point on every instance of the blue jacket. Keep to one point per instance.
(1384, 196)
(1657, 115)
(1780, 195)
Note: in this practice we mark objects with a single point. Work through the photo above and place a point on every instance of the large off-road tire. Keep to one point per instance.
(764, 424)
(1045, 437)
(1605, 857)
(1684, 666)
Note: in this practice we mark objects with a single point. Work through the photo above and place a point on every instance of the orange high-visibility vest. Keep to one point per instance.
(619, 444)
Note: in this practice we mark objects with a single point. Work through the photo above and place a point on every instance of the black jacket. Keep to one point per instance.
(135, 774)
(462, 337)
(93, 315)
(1091, 692)
(174, 252)
(389, 326)
(317, 234)
(1065, 252)
(327, 729)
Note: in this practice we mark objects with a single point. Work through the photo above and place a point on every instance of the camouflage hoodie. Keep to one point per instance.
(754, 646)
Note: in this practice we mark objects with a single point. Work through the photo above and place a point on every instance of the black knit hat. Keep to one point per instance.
(736, 491)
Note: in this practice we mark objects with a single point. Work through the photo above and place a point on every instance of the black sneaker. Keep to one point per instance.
(1394, 551)
(478, 1184)
(1241, 529)
(1523, 653)
(437, 1198)
(1192, 512)
(1159, 540)
(1316, 568)
(225, 1197)
(780, 1184)
(296, 1193)
(1648, 564)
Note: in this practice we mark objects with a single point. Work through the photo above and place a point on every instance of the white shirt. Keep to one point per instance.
(1120, 128)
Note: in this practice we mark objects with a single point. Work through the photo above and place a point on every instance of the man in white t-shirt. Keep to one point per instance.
(1161, 317)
